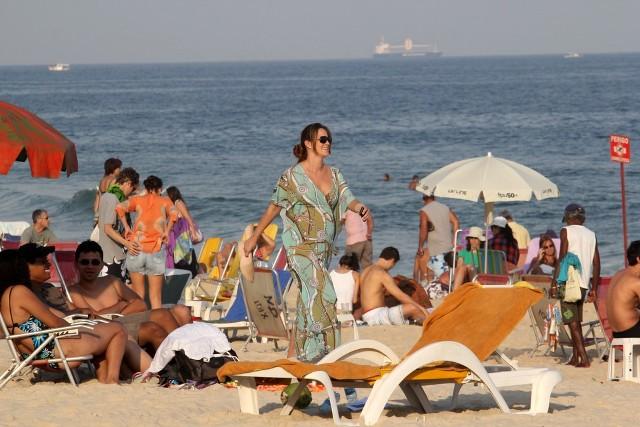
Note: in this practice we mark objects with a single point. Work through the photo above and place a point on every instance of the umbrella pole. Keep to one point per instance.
(488, 219)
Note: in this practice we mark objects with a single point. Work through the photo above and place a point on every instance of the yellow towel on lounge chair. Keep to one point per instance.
(336, 370)
(481, 326)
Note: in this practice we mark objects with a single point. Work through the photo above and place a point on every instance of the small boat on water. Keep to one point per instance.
(59, 67)
(573, 55)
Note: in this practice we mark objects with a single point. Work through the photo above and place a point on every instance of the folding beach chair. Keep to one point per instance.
(54, 334)
(496, 262)
(63, 273)
(280, 260)
(492, 279)
(464, 330)
(208, 252)
(265, 307)
(540, 322)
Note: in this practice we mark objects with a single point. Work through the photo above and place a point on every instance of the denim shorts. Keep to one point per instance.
(147, 263)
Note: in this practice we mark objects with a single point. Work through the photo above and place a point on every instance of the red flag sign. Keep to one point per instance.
(620, 148)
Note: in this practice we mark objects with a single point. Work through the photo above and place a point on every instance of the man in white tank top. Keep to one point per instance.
(577, 239)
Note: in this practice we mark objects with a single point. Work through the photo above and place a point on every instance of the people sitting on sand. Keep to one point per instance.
(135, 359)
(504, 241)
(623, 298)
(39, 232)
(183, 235)
(108, 295)
(25, 313)
(156, 215)
(110, 235)
(346, 282)
(112, 168)
(375, 281)
(264, 248)
(520, 233)
(547, 260)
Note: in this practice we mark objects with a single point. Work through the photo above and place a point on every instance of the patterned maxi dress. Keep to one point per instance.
(311, 223)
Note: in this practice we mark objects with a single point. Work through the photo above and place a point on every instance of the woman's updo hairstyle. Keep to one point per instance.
(309, 133)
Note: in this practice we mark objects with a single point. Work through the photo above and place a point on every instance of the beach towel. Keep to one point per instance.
(569, 278)
(198, 341)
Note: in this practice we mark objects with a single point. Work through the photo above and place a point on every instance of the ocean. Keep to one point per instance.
(223, 132)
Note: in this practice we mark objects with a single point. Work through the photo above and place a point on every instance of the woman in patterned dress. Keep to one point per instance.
(311, 197)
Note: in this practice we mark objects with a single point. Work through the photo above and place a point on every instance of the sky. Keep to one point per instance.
(142, 31)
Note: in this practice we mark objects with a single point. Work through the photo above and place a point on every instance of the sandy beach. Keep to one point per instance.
(584, 394)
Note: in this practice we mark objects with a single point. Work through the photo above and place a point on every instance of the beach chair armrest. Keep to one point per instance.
(110, 316)
(63, 330)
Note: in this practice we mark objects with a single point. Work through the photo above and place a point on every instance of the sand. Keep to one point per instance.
(584, 396)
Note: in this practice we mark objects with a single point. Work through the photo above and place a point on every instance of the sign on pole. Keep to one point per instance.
(620, 151)
(620, 148)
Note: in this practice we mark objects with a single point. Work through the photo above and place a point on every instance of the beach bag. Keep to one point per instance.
(181, 369)
(572, 288)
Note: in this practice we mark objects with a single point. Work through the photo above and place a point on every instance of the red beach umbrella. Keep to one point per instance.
(23, 135)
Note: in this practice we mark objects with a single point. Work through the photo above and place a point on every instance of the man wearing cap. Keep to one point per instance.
(437, 227)
(39, 232)
(520, 233)
(578, 240)
(504, 241)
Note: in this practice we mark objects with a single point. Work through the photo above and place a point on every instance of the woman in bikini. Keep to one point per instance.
(24, 313)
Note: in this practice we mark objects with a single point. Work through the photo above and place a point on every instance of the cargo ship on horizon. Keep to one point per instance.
(406, 50)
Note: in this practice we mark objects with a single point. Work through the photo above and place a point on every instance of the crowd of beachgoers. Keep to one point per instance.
(142, 231)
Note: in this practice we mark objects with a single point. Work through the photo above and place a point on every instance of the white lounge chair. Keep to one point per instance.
(419, 368)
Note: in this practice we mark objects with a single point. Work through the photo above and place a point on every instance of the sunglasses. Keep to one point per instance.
(324, 140)
(94, 262)
(547, 246)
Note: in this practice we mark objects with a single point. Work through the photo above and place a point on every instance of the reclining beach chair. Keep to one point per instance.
(496, 262)
(208, 252)
(63, 273)
(54, 334)
(464, 330)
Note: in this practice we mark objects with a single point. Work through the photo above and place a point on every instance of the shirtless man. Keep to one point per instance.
(375, 280)
(105, 295)
(623, 298)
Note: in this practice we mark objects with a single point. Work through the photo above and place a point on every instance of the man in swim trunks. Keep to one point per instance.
(623, 298)
(375, 281)
(103, 295)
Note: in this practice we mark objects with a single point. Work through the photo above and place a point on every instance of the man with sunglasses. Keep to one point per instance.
(110, 230)
(109, 295)
(39, 232)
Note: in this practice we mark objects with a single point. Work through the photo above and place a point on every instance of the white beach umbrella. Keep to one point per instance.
(488, 179)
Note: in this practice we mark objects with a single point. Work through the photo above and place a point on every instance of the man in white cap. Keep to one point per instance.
(504, 241)
(520, 233)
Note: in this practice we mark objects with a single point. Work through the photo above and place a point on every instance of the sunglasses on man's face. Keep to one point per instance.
(94, 262)
(324, 140)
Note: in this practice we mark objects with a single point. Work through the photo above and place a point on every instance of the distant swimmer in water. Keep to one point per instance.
(386, 177)
(414, 182)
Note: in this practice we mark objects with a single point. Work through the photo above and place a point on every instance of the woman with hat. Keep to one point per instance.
(504, 241)
(469, 258)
